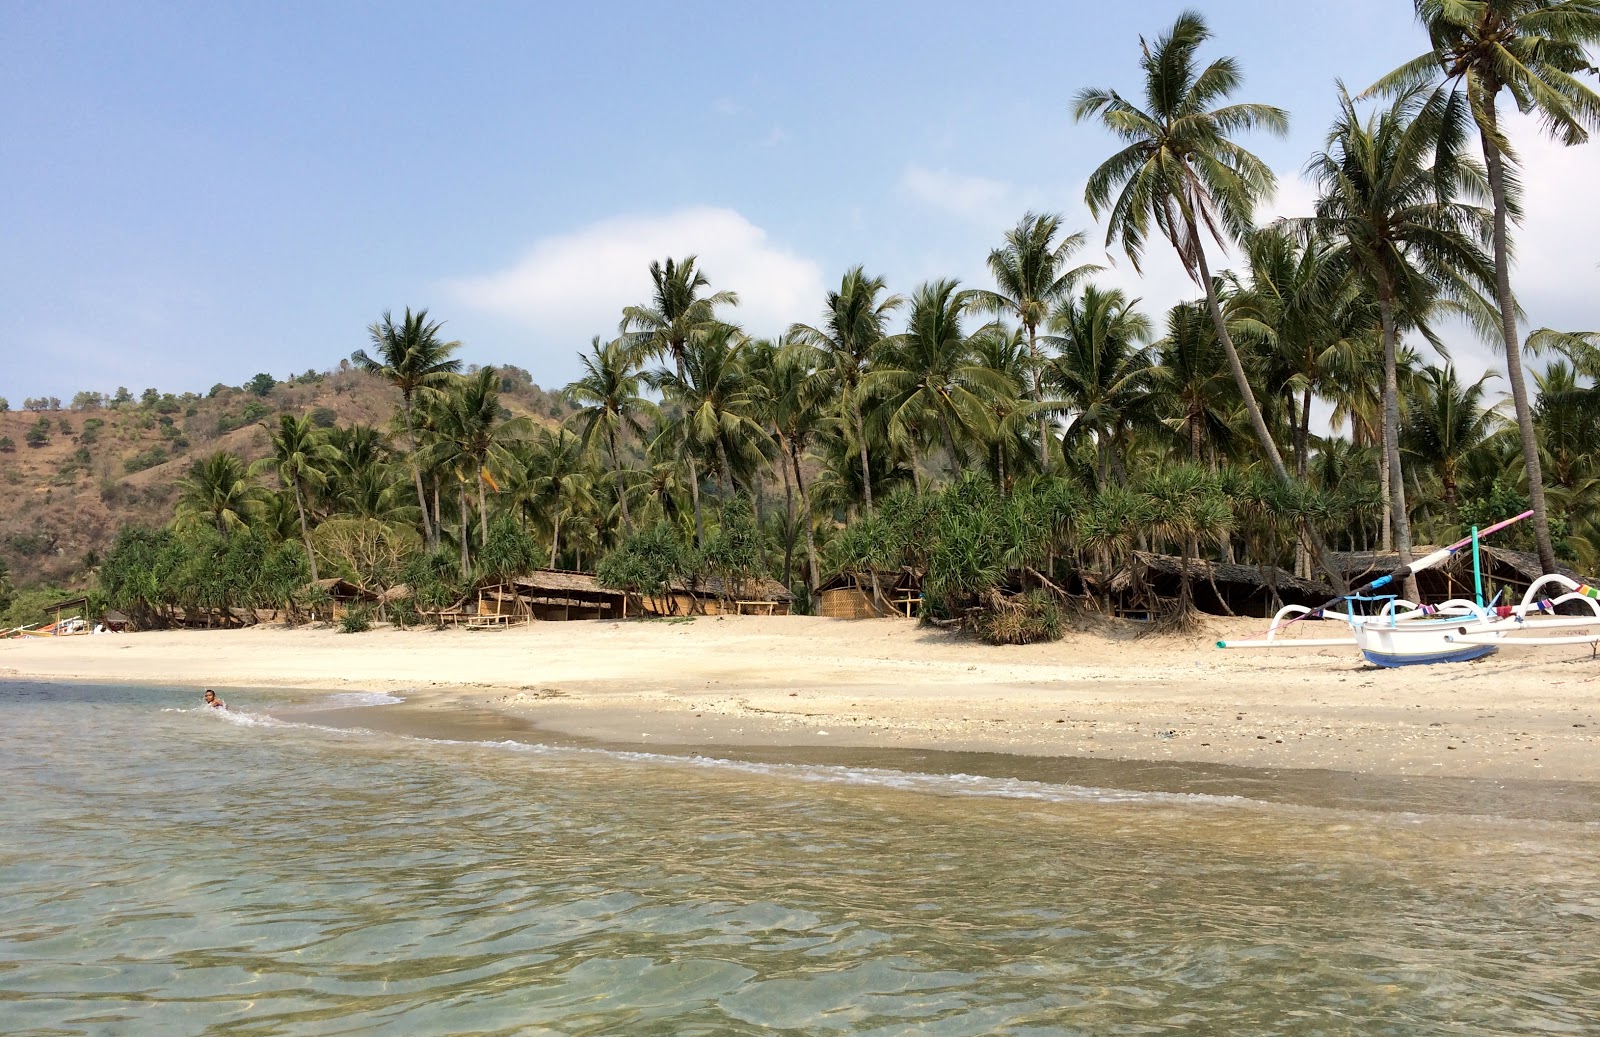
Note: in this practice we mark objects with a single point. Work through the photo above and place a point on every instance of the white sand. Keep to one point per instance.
(1526, 713)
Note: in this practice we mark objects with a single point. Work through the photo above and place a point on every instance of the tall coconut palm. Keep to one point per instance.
(855, 321)
(1181, 171)
(1446, 421)
(301, 458)
(473, 440)
(1102, 371)
(1390, 188)
(218, 491)
(1534, 50)
(1030, 273)
(609, 405)
(794, 402)
(413, 358)
(555, 482)
(931, 375)
(675, 313)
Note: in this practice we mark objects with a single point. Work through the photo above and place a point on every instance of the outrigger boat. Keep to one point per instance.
(1404, 633)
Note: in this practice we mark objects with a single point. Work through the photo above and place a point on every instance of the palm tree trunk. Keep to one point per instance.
(438, 512)
(811, 537)
(1302, 445)
(1494, 163)
(1038, 398)
(429, 533)
(1257, 422)
(950, 447)
(1386, 537)
(622, 493)
(788, 510)
(726, 480)
(694, 495)
(1391, 438)
(483, 512)
(555, 536)
(305, 533)
(461, 503)
(861, 443)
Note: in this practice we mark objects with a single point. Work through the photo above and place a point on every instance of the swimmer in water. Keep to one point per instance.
(214, 702)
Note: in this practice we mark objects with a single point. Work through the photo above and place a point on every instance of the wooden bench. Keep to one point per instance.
(755, 608)
(489, 621)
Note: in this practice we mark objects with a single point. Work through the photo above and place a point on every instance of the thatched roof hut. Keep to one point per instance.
(562, 594)
(1218, 588)
(712, 596)
(849, 595)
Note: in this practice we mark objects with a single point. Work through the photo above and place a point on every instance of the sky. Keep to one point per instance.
(191, 193)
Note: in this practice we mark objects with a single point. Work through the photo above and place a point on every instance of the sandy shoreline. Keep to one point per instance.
(800, 681)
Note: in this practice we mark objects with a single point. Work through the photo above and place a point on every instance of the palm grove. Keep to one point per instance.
(1025, 436)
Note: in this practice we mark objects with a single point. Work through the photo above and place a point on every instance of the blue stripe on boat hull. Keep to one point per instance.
(1464, 654)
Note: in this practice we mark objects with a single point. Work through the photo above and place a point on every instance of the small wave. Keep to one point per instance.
(351, 699)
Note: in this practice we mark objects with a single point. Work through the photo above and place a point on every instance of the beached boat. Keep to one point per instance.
(1404, 633)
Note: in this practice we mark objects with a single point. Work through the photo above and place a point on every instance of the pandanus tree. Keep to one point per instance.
(1535, 51)
(1030, 272)
(1390, 194)
(855, 321)
(300, 457)
(931, 380)
(610, 406)
(414, 359)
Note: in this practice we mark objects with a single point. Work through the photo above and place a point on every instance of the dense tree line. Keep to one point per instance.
(1006, 437)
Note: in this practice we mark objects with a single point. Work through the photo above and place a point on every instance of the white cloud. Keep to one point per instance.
(571, 286)
(976, 198)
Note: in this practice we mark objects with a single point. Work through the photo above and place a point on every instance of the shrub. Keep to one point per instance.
(36, 435)
(149, 397)
(357, 619)
(145, 459)
(122, 396)
(7, 445)
(81, 455)
(324, 417)
(261, 385)
(254, 410)
(1022, 620)
(404, 614)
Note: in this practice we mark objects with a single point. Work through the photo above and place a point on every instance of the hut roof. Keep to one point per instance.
(338, 587)
(1226, 572)
(562, 581)
(904, 578)
(1376, 563)
(399, 592)
(713, 587)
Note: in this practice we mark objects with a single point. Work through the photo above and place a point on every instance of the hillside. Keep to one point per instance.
(71, 477)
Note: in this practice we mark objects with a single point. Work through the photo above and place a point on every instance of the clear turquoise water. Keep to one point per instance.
(169, 871)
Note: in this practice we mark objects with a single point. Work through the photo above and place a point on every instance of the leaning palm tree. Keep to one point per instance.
(1030, 272)
(218, 491)
(855, 322)
(1534, 50)
(1390, 187)
(931, 376)
(301, 458)
(676, 312)
(609, 405)
(1181, 171)
(413, 359)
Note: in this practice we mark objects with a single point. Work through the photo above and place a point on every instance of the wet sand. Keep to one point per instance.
(814, 684)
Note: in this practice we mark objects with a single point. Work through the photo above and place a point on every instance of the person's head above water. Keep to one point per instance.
(211, 698)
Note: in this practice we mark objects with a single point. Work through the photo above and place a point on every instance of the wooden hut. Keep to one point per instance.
(342, 597)
(558, 594)
(712, 597)
(1218, 588)
(849, 596)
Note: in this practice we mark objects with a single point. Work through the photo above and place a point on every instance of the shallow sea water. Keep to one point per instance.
(167, 870)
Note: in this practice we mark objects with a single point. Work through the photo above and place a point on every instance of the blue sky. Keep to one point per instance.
(195, 192)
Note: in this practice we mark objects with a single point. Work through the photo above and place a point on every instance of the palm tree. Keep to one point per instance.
(932, 375)
(1534, 50)
(413, 359)
(472, 441)
(1102, 373)
(555, 481)
(1389, 189)
(855, 321)
(1030, 272)
(1181, 171)
(218, 491)
(719, 401)
(608, 401)
(1192, 380)
(1446, 421)
(676, 311)
(300, 457)
(794, 402)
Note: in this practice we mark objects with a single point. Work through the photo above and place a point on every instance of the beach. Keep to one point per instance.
(803, 682)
